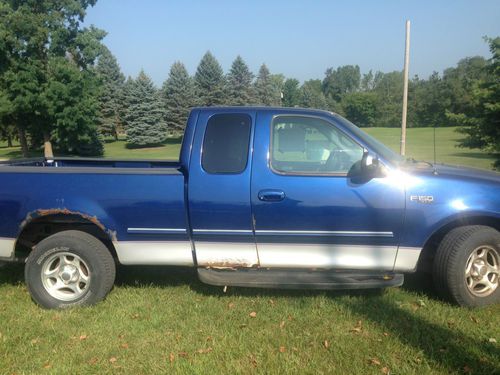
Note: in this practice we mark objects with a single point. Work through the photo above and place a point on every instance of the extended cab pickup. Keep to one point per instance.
(261, 197)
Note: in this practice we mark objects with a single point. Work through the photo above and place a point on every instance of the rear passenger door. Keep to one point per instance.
(219, 190)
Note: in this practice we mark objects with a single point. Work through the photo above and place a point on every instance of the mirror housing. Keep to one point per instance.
(370, 165)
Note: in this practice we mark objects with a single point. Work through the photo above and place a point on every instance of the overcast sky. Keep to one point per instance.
(297, 38)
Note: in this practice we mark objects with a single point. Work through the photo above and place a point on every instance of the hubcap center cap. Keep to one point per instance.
(68, 274)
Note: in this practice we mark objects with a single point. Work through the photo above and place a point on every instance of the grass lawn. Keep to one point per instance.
(420, 145)
(163, 320)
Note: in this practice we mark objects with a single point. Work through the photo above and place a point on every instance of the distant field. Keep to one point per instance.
(419, 146)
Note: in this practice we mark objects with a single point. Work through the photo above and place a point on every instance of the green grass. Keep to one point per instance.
(419, 146)
(163, 320)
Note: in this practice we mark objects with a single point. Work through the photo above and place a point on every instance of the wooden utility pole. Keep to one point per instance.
(405, 89)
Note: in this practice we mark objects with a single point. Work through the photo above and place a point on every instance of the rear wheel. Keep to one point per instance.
(467, 266)
(69, 268)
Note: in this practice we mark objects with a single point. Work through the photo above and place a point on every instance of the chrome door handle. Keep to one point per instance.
(271, 195)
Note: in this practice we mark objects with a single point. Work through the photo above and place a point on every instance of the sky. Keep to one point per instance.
(299, 39)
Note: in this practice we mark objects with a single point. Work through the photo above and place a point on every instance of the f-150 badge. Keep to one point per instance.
(427, 199)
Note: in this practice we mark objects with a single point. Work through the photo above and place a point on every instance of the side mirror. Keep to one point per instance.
(370, 165)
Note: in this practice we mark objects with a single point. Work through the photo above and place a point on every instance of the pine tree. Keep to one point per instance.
(178, 97)
(239, 82)
(267, 93)
(125, 100)
(145, 117)
(210, 82)
(112, 80)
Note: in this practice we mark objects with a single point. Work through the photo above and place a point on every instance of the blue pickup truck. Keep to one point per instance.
(260, 197)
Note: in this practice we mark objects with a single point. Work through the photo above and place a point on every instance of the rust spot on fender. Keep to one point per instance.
(64, 211)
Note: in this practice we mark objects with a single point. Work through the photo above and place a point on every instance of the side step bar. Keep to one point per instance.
(299, 279)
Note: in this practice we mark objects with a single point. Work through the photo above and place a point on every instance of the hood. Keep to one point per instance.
(453, 172)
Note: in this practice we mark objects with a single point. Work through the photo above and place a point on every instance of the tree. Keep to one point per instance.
(481, 124)
(112, 80)
(178, 97)
(291, 93)
(343, 80)
(361, 108)
(239, 83)
(36, 35)
(388, 88)
(125, 100)
(210, 82)
(367, 82)
(71, 99)
(265, 88)
(460, 82)
(311, 95)
(145, 117)
(428, 102)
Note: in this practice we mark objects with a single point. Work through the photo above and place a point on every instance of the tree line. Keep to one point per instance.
(59, 85)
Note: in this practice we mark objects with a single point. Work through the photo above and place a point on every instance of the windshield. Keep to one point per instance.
(378, 147)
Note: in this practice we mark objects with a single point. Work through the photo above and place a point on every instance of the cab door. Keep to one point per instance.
(309, 211)
(219, 190)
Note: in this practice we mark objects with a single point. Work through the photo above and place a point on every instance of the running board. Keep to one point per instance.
(299, 279)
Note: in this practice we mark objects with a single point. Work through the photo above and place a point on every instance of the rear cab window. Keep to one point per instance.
(226, 143)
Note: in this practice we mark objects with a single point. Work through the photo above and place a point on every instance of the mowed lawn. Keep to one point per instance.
(163, 320)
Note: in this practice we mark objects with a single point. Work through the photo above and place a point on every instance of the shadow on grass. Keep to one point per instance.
(12, 274)
(167, 276)
(442, 346)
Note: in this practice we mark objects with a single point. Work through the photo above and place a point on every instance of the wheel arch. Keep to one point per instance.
(48, 222)
(429, 249)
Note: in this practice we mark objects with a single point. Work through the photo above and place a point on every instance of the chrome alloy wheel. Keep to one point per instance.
(482, 270)
(65, 276)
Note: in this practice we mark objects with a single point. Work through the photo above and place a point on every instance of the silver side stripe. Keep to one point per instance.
(407, 259)
(173, 253)
(224, 231)
(334, 233)
(156, 230)
(289, 255)
(7, 247)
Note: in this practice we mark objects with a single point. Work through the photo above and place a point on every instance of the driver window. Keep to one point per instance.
(308, 145)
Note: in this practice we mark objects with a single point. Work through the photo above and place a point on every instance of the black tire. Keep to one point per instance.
(449, 269)
(59, 254)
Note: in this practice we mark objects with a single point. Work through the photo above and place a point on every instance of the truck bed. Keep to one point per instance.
(68, 162)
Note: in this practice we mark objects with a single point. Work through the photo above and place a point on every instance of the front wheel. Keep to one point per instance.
(467, 265)
(69, 268)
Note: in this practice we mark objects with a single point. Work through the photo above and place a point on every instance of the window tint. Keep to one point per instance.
(225, 147)
(310, 145)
